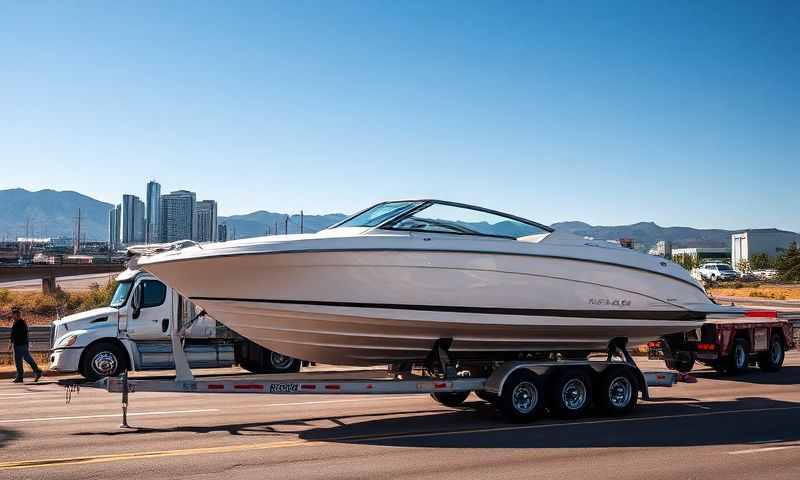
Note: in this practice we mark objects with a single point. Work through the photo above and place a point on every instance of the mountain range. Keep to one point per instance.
(52, 213)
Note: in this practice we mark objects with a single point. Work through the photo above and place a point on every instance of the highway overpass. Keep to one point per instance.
(49, 273)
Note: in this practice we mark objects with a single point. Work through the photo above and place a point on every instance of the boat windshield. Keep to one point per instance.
(444, 217)
(380, 213)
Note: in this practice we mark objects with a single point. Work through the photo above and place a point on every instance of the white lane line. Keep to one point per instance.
(108, 415)
(764, 449)
(362, 399)
(697, 406)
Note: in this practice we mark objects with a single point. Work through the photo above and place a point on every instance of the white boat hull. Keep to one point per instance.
(375, 307)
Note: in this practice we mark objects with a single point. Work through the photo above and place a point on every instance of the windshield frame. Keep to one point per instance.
(389, 223)
(127, 294)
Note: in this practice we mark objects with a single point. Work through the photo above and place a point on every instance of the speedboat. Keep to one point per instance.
(385, 284)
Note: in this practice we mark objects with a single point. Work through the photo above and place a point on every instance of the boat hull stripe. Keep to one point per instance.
(673, 315)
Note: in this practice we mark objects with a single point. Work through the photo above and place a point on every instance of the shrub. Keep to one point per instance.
(788, 264)
(760, 261)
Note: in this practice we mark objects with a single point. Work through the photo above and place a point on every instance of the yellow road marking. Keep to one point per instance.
(24, 464)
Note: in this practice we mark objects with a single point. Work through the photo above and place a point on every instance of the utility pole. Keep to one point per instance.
(301, 221)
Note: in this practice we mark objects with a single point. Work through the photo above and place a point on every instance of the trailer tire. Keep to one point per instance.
(739, 357)
(450, 399)
(522, 397)
(617, 391)
(571, 393)
(102, 359)
(772, 359)
(682, 365)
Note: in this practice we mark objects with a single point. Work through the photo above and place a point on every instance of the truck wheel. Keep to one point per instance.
(522, 399)
(571, 393)
(279, 363)
(450, 399)
(772, 359)
(738, 359)
(618, 391)
(102, 360)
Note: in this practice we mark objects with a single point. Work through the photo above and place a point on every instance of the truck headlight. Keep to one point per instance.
(68, 341)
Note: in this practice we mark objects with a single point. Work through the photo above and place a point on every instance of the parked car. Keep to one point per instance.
(717, 271)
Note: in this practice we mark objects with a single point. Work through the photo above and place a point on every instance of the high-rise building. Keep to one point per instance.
(132, 220)
(177, 210)
(114, 221)
(153, 213)
(222, 232)
(204, 221)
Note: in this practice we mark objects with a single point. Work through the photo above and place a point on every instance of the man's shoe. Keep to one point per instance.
(17, 380)
(37, 376)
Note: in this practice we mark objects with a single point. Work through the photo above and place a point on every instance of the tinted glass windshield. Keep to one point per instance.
(120, 294)
(463, 220)
(378, 214)
(724, 267)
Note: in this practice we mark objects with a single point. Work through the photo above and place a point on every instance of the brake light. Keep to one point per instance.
(656, 344)
(706, 346)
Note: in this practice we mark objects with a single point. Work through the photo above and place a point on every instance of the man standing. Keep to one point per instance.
(19, 337)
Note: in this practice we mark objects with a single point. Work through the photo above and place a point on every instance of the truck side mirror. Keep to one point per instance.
(136, 301)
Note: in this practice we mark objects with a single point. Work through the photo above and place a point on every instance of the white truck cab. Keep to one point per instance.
(133, 333)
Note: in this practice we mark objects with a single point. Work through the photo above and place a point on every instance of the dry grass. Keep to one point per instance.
(768, 291)
(40, 309)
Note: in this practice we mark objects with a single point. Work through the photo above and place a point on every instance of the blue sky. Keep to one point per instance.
(683, 113)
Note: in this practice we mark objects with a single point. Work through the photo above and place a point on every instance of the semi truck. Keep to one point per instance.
(133, 333)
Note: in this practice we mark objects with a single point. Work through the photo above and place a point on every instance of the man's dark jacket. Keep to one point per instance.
(19, 333)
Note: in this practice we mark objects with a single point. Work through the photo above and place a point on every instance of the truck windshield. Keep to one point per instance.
(120, 294)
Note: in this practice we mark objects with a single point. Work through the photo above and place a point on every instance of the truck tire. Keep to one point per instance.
(257, 359)
(103, 359)
(571, 393)
(739, 357)
(617, 391)
(487, 397)
(772, 359)
(450, 399)
(522, 399)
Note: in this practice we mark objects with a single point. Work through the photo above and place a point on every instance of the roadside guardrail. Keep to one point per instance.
(38, 336)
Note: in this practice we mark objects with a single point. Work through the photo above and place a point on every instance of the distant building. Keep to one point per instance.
(663, 248)
(771, 241)
(704, 254)
(114, 224)
(132, 220)
(222, 232)
(204, 221)
(153, 213)
(177, 212)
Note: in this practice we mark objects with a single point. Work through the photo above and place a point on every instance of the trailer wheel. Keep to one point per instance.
(450, 399)
(522, 399)
(102, 359)
(739, 357)
(571, 393)
(618, 391)
(683, 365)
(772, 359)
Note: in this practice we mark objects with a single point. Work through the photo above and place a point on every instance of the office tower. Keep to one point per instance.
(153, 213)
(132, 220)
(222, 233)
(114, 221)
(177, 211)
(204, 221)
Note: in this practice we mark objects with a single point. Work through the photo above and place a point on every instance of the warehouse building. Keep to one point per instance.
(771, 241)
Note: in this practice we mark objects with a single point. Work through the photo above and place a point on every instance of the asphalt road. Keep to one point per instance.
(735, 427)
